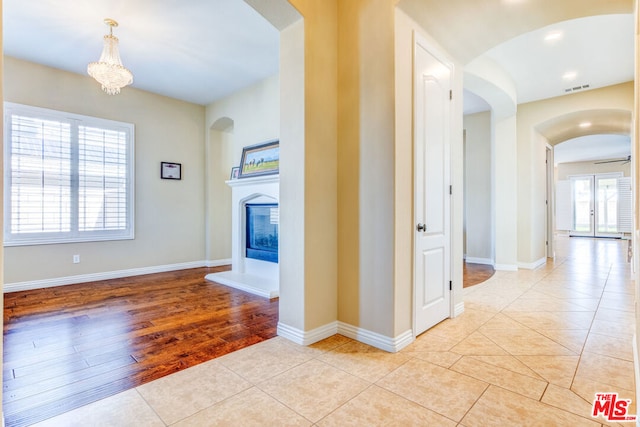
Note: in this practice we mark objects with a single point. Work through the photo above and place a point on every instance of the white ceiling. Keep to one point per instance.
(196, 50)
(591, 148)
(598, 50)
(202, 50)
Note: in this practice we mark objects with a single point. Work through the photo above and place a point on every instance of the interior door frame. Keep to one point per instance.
(551, 206)
(418, 39)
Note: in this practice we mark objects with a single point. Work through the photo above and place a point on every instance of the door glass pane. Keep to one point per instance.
(607, 205)
(582, 193)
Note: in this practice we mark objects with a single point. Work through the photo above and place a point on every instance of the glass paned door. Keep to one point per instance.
(583, 203)
(595, 206)
(606, 206)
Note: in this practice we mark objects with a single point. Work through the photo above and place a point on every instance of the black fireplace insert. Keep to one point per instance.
(262, 231)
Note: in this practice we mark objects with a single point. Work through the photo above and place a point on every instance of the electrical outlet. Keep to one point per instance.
(76, 259)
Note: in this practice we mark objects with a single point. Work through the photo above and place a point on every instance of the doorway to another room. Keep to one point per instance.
(598, 205)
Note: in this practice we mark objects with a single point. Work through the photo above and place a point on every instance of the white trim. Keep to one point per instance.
(374, 339)
(92, 277)
(218, 262)
(474, 260)
(265, 179)
(533, 265)
(306, 338)
(383, 342)
(257, 285)
(459, 309)
(505, 267)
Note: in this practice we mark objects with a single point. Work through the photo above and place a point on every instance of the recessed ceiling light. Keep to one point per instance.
(569, 75)
(585, 125)
(553, 36)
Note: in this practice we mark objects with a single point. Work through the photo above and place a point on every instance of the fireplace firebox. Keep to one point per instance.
(262, 231)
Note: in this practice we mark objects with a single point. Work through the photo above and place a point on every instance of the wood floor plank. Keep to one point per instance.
(68, 346)
(474, 274)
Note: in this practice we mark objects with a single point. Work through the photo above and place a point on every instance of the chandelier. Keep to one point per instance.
(109, 71)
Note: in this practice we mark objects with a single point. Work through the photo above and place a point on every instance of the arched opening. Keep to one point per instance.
(589, 188)
(220, 158)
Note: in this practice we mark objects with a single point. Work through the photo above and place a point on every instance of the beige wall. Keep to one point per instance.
(308, 172)
(366, 126)
(531, 155)
(169, 215)
(250, 116)
(477, 183)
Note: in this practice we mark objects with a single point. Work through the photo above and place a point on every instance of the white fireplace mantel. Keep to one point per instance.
(251, 275)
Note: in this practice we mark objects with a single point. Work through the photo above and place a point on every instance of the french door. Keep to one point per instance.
(595, 205)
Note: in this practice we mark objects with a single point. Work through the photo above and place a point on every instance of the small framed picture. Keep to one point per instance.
(235, 172)
(170, 170)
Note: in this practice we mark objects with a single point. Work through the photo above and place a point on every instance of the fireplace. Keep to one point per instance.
(255, 235)
(262, 232)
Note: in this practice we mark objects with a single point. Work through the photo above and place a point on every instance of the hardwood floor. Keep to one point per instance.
(473, 274)
(68, 346)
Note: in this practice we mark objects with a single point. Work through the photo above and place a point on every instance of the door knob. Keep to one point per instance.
(421, 227)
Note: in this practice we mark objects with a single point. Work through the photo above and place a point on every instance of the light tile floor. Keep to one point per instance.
(531, 348)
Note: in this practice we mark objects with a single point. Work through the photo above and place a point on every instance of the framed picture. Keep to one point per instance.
(260, 159)
(170, 170)
(235, 172)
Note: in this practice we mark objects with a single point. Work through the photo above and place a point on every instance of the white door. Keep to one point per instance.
(582, 197)
(432, 87)
(595, 205)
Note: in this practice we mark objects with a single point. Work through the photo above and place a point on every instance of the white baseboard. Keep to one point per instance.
(533, 265)
(218, 262)
(92, 277)
(474, 260)
(392, 345)
(458, 309)
(307, 338)
(374, 339)
(505, 267)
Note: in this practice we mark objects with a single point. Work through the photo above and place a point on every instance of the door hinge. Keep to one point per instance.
(451, 189)
(450, 95)
(450, 285)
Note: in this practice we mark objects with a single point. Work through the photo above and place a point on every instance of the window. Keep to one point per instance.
(68, 178)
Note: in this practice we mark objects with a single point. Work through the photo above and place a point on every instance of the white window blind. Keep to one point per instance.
(625, 205)
(564, 206)
(68, 178)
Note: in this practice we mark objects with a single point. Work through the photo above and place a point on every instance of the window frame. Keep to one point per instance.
(74, 235)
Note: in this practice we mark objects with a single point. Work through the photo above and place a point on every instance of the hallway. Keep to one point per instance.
(531, 348)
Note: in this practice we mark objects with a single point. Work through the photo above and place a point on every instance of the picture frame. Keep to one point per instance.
(170, 170)
(235, 172)
(260, 159)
